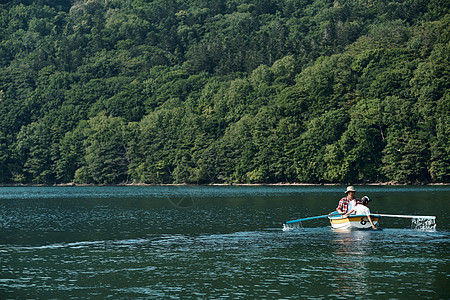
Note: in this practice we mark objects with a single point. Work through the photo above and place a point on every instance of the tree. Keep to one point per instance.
(34, 152)
(72, 155)
(106, 153)
(321, 131)
(405, 157)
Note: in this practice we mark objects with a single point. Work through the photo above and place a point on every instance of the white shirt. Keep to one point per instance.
(362, 210)
(351, 205)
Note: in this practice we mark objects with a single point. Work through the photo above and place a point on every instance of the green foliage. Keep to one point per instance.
(34, 149)
(106, 153)
(201, 92)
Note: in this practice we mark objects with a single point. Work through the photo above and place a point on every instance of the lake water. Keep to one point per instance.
(218, 242)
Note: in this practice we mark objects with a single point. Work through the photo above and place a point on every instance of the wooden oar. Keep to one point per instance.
(405, 216)
(309, 218)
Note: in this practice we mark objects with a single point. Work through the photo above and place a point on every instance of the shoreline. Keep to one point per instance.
(72, 184)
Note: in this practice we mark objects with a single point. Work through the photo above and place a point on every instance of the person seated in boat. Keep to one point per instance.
(347, 203)
(362, 209)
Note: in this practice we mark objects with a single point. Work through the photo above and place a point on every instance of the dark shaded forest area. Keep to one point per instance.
(224, 91)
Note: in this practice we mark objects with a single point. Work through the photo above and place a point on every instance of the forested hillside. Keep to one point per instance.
(224, 91)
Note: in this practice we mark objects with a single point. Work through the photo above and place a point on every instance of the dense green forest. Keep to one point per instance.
(224, 91)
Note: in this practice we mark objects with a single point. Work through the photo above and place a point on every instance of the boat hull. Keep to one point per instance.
(355, 221)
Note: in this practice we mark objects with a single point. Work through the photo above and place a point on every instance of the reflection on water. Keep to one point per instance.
(351, 248)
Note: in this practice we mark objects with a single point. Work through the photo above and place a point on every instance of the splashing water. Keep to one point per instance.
(423, 224)
(292, 226)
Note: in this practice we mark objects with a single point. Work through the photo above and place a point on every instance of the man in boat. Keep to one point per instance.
(362, 209)
(347, 203)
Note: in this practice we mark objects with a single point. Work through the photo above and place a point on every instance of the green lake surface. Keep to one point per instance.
(218, 242)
